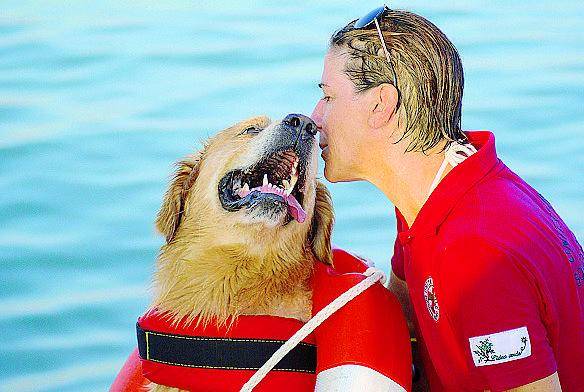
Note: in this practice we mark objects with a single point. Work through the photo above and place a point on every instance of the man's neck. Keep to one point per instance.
(405, 179)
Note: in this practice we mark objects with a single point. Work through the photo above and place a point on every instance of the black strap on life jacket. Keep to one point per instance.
(222, 353)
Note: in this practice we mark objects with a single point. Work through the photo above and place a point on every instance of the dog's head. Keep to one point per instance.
(253, 184)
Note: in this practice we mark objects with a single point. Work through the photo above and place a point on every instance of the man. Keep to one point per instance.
(487, 272)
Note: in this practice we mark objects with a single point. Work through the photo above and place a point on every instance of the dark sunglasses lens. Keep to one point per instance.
(367, 19)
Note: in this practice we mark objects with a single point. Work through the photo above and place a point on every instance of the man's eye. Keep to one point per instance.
(326, 98)
(251, 131)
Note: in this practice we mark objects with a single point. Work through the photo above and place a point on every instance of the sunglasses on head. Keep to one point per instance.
(366, 21)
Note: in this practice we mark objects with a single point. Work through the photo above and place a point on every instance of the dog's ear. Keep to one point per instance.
(170, 214)
(321, 226)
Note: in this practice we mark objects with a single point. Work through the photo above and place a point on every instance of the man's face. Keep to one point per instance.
(341, 116)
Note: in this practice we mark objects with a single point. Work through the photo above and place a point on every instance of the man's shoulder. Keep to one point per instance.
(499, 208)
(502, 190)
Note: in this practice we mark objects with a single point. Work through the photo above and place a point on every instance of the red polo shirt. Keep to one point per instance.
(496, 280)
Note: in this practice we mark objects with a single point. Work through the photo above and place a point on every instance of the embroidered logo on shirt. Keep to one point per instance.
(431, 300)
(500, 347)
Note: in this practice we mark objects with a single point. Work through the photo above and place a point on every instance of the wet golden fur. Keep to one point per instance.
(216, 264)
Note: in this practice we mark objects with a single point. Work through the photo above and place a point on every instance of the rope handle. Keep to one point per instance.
(372, 276)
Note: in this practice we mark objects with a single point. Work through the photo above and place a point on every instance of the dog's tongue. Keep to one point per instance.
(295, 208)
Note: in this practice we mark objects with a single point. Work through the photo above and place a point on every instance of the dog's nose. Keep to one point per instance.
(301, 123)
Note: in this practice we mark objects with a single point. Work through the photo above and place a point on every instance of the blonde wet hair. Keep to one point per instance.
(429, 73)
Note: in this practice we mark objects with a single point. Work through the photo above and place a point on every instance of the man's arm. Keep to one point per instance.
(548, 384)
(400, 289)
(498, 316)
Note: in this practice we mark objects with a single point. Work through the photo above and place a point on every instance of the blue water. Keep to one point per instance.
(98, 100)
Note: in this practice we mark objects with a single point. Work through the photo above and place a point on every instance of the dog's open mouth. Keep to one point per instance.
(275, 181)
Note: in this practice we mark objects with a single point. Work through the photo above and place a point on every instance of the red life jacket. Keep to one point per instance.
(369, 332)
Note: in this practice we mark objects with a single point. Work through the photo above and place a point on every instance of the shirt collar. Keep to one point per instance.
(455, 184)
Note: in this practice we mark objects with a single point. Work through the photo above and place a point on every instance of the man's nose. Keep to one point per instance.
(316, 115)
(301, 123)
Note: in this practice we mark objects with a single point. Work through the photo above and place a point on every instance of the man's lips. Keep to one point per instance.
(325, 151)
(323, 144)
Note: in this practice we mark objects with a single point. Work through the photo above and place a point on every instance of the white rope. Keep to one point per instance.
(453, 155)
(373, 275)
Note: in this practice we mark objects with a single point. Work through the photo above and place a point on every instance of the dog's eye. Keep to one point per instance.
(251, 131)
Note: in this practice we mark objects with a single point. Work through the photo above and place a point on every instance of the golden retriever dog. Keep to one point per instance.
(245, 220)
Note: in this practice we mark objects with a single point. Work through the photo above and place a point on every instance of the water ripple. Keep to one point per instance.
(98, 99)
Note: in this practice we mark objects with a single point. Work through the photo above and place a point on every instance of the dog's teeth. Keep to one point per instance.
(270, 185)
(245, 188)
(265, 180)
(287, 187)
(293, 180)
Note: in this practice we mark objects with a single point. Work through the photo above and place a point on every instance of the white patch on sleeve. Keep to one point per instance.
(500, 347)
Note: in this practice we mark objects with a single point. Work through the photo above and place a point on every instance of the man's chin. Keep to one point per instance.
(331, 175)
(328, 173)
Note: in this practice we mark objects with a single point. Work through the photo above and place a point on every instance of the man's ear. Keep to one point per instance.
(321, 226)
(383, 105)
(170, 214)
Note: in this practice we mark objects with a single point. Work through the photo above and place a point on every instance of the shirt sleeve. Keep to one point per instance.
(498, 314)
